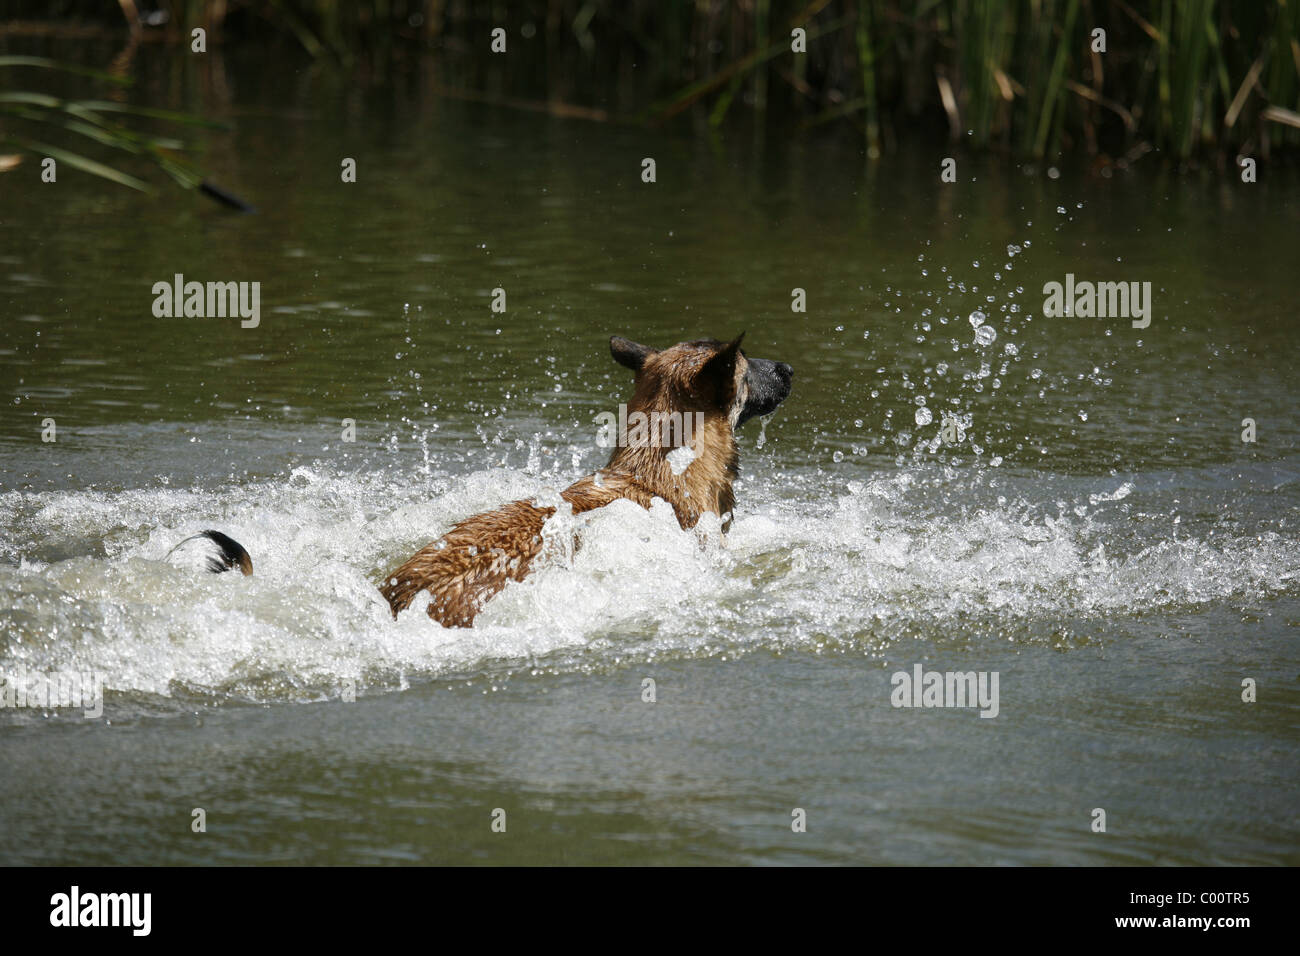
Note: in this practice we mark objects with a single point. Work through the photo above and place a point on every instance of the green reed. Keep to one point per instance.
(1185, 77)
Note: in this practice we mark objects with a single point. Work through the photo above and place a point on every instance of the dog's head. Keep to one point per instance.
(706, 374)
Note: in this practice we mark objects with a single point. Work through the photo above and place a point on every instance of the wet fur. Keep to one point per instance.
(480, 555)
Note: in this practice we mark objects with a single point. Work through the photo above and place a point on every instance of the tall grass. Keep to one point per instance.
(1186, 77)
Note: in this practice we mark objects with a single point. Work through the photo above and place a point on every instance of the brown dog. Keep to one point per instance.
(706, 382)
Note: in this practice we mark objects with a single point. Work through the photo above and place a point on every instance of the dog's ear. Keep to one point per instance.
(719, 372)
(628, 354)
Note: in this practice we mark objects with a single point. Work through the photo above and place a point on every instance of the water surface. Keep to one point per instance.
(1101, 537)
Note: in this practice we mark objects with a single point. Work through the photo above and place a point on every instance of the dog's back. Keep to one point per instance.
(480, 555)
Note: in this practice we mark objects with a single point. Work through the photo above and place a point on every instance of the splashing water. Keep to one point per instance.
(870, 561)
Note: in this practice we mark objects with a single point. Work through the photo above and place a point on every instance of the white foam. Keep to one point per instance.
(866, 562)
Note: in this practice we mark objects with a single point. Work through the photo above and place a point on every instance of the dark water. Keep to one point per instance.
(1101, 536)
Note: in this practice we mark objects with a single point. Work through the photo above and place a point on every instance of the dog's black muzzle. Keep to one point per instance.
(769, 384)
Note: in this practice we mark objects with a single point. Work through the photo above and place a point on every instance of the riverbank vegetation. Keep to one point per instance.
(1037, 79)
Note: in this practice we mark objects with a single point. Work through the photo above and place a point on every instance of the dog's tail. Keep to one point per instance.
(221, 552)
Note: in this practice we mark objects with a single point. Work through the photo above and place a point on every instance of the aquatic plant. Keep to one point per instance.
(28, 117)
(1111, 79)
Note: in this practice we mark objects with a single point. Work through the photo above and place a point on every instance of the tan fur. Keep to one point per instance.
(478, 556)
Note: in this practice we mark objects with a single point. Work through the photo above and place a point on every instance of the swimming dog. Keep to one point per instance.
(711, 383)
